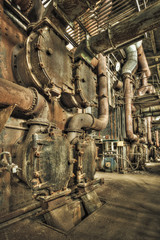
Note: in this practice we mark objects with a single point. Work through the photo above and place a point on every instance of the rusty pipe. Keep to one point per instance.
(146, 73)
(128, 110)
(146, 89)
(157, 138)
(143, 90)
(103, 106)
(127, 71)
(149, 133)
(81, 121)
(27, 100)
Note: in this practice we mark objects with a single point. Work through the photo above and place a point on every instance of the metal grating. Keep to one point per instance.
(106, 13)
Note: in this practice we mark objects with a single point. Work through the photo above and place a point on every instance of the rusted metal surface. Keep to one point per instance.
(33, 64)
(19, 212)
(118, 85)
(65, 217)
(125, 32)
(5, 189)
(74, 8)
(80, 121)
(146, 73)
(128, 111)
(23, 98)
(146, 100)
(10, 35)
(85, 84)
(103, 106)
(91, 202)
(157, 138)
(4, 115)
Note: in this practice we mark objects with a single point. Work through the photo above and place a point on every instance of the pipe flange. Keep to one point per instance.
(74, 130)
(34, 102)
(38, 121)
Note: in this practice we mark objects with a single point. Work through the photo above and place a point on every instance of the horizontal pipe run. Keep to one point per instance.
(150, 109)
(127, 31)
(27, 100)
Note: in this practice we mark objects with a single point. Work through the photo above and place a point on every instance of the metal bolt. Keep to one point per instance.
(37, 154)
(37, 46)
(41, 65)
(49, 51)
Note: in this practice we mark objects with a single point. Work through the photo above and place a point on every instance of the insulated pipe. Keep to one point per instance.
(80, 121)
(127, 71)
(130, 65)
(27, 100)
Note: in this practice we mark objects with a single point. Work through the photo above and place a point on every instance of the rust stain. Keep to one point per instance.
(10, 36)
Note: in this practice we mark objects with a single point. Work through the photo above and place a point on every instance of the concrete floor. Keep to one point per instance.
(131, 212)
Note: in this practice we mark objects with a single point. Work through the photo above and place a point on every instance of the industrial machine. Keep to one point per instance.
(56, 101)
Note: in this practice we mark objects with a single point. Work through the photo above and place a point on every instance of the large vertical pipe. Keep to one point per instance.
(127, 71)
(128, 111)
(80, 121)
(145, 88)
